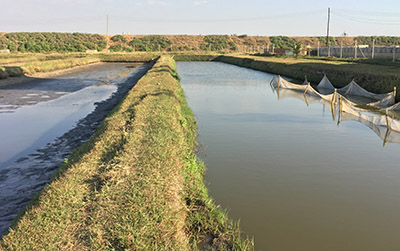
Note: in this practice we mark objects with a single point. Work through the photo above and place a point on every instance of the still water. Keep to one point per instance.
(294, 178)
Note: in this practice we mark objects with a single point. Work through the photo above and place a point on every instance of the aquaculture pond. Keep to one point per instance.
(295, 178)
(43, 121)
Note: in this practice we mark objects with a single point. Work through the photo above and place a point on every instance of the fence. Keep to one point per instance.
(358, 52)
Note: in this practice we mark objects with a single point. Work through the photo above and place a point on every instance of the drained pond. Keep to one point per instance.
(43, 121)
(295, 177)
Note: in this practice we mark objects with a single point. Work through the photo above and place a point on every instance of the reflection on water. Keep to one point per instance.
(295, 179)
(386, 126)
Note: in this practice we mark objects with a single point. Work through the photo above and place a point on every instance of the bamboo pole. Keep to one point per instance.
(305, 91)
(334, 96)
(333, 104)
(387, 121)
(279, 81)
(305, 100)
(386, 137)
(340, 110)
(272, 80)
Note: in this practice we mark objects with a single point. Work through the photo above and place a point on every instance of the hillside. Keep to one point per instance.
(79, 42)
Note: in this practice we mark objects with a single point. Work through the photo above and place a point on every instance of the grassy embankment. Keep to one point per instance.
(45, 66)
(136, 185)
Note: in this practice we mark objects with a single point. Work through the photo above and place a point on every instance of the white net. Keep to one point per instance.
(345, 105)
(360, 95)
(395, 107)
(325, 84)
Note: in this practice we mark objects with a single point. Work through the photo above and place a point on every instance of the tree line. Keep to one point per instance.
(35, 42)
(51, 42)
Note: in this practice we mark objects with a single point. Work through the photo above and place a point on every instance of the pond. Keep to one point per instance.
(43, 121)
(295, 178)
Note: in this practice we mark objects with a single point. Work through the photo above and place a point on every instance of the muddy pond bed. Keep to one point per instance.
(43, 121)
(295, 178)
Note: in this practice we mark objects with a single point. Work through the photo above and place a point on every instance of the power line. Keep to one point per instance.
(369, 19)
(216, 20)
(369, 13)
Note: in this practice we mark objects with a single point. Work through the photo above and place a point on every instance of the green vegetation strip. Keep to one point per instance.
(45, 66)
(136, 185)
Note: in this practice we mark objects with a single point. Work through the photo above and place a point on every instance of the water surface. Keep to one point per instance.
(294, 178)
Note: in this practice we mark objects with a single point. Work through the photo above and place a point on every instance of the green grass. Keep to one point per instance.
(136, 185)
(129, 57)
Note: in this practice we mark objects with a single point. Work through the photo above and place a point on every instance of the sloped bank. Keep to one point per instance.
(135, 185)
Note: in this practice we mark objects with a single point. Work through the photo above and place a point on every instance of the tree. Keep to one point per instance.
(296, 49)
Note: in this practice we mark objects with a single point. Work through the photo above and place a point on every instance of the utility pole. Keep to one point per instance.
(327, 29)
(107, 34)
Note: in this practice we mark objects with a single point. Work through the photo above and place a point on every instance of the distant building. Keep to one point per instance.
(288, 52)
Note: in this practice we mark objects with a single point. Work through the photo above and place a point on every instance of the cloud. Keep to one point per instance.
(153, 2)
(201, 2)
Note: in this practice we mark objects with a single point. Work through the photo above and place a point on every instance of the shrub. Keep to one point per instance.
(118, 38)
(116, 48)
(282, 42)
(215, 42)
(332, 41)
(51, 41)
(12, 47)
(150, 43)
(379, 41)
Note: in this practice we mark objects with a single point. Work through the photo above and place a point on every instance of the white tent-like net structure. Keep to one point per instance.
(325, 84)
(344, 103)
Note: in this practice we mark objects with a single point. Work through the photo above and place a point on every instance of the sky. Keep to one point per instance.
(193, 17)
